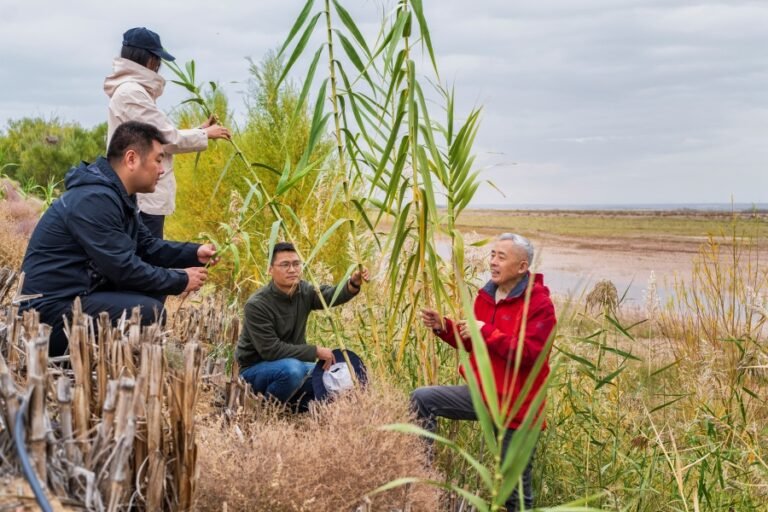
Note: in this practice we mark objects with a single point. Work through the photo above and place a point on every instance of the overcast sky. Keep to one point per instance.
(584, 101)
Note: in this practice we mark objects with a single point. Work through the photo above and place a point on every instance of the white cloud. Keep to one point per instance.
(633, 100)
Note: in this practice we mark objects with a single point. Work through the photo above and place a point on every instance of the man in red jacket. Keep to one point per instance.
(499, 310)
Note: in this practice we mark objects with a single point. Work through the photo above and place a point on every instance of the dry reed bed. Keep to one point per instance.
(18, 217)
(329, 459)
(115, 428)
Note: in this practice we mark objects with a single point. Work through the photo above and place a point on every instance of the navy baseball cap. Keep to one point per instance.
(145, 39)
(337, 378)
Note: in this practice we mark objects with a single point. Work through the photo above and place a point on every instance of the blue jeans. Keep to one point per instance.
(279, 379)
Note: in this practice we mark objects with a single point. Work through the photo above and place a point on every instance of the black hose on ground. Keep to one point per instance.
(21, 451)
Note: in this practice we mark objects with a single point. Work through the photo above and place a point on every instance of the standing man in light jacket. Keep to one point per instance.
(133, 89)
(92, 244)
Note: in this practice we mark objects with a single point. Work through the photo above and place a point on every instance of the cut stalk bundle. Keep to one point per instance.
(115, 429)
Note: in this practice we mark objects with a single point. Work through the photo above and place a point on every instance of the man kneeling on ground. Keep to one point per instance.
(499, 309)
(92, 244)
(272, 351)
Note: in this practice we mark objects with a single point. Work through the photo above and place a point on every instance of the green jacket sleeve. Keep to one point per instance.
(328, 292)
(260, 330)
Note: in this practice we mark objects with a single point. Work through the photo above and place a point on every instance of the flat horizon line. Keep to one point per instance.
(692, 206)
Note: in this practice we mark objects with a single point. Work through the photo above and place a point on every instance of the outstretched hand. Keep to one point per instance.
(358, 277)
(217, 132)
(432, 319)
(464, 331)
(214, 119)
(196, 277)
(213, 130)
(206, 254)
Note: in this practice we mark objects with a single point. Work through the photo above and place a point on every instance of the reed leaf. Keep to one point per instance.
(300, 20)
(324, 239)
(222, 174)
(418, 8)
(396, 35)
(349, 49)
(306, 87)
(349, 23)
(408, 428)
(300, 46)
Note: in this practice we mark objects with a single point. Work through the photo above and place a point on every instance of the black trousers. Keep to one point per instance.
(455, 402)
(154, 223)
(114, 303)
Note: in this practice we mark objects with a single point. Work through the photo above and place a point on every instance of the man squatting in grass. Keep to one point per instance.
(272, 351)
(133, 89)
(91, 243)
(499, 309)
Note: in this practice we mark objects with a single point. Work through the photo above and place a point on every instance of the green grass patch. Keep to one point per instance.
(602, 224)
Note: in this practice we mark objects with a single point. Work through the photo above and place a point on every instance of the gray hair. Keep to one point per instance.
(521, 242)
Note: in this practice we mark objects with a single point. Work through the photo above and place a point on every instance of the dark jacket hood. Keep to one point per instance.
(98, 173)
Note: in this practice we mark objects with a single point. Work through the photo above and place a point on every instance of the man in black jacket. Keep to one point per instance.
(272, 351)
(92, 244)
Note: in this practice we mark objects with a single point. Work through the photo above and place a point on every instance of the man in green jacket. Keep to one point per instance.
(272, 351)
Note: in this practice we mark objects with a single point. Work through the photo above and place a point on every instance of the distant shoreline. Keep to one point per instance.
(579, 247)
(684, 208)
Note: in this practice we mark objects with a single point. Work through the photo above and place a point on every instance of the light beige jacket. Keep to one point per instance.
(133, 90)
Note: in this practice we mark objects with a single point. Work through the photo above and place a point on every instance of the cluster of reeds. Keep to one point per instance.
(668, 413)
(632, 417)
(397, 161)
(113, 426)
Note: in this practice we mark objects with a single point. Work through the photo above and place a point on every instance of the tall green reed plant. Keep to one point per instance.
(389, 148)
(503, 474)
(261, 199)
(682, 429)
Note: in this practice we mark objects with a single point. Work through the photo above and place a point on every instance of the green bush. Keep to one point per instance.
(42, 151)
(213, 186)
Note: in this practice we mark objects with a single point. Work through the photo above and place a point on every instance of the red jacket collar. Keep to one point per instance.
(488, 292)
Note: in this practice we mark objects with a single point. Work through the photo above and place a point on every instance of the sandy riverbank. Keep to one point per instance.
(576, 249)
(573, 264)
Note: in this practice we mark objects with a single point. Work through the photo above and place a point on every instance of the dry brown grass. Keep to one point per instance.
(18, 217)
(328, 459)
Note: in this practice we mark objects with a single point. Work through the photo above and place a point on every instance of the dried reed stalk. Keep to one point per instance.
(37, 356)
(102, 369)
(14, 338)
(64, 398)
(107, 424)
(124, 433)
(9, 395)
(81, 369)
(126, 423)
(156, 470)
(7, 278)
(185, 390)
